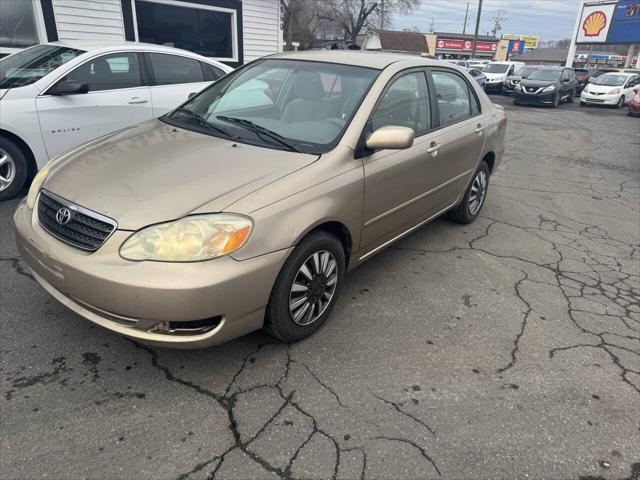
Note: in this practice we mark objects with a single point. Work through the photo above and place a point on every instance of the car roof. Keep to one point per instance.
(102, 45)
(370, 59)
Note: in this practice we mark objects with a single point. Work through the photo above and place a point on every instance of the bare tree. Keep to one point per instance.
(300, 20)
(352, 16)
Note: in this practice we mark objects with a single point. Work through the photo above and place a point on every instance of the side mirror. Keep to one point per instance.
(68, 87)
(191, 95)
(391, 137)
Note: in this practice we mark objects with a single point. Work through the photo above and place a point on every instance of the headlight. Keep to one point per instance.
(550, 88)
(190, 239)
(614, 91)
(37, 182)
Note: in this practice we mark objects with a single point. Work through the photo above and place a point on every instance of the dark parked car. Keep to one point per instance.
(547, 86)
(511, 81)
(583, 75)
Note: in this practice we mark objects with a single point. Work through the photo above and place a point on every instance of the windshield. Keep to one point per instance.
(546, 75)
(609, 80)
(285, 104)
(496, 68)
(524, 72)
(30, 65)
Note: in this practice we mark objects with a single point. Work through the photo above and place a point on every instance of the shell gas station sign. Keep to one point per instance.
(609, 22)
(595, 22)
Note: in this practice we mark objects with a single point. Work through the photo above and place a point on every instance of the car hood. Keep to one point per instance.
(536, 83)
(155, 172)
(601, 88)
(491, 76)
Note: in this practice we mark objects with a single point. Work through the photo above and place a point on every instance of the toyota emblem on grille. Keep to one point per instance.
(63, 216)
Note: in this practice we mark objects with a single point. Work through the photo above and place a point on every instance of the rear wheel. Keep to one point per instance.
(572, 96)
(306, 289)
(14, 169)
(469, 209)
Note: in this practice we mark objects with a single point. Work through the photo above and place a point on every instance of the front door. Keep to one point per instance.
(117, 98)
(396, 180)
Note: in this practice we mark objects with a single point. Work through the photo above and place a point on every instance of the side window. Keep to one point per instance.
(109, 72)
(455, 101)
(173, 69)
(405, 104)
(211, 73)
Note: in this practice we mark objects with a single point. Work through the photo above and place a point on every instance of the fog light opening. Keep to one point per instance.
(191, 327)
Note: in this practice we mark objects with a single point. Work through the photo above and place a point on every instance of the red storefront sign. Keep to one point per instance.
(466, 45)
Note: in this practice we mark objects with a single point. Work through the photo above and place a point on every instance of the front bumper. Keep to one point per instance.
(494, 86)
(534, 99)
(145, 300)
(600, 99)
(634, 108)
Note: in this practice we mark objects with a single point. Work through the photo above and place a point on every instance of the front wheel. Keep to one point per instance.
(14, 169)
(306, 289)
(620, 103)
(469, 209)
(556, 100)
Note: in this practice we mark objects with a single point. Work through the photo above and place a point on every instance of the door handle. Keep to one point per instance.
(479, 129)
(433, 148)
(134, 100)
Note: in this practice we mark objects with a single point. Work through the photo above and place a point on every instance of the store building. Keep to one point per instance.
(232, 31)
(460, 46)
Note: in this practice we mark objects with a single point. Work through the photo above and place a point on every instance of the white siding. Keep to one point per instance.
(261, 28)
(89, 19)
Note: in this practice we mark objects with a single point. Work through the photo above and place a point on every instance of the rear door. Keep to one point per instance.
(460, 135)
(118, 97)
(174, 77)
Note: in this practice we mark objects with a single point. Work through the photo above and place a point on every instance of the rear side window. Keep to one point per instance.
(173, 69)
(405, 104)
(109, 72)
(455, 101)
(211, 73)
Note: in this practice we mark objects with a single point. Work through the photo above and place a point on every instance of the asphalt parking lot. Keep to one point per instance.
(509, 348)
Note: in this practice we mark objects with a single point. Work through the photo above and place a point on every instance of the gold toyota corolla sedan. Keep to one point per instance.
(243, 208)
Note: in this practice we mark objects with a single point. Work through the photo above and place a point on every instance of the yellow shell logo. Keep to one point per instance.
(594, 24)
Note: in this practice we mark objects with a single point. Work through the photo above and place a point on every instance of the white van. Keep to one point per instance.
(497, 72)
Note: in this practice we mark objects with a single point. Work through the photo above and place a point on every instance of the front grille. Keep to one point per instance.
(85, 229)
(531, 89)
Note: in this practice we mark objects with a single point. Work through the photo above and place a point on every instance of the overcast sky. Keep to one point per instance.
(550, 19)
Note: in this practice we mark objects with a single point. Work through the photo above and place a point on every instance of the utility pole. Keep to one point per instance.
(475, 35)
(381, 14)
(466, 15)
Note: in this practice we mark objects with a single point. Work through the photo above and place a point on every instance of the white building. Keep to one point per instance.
(232, 31)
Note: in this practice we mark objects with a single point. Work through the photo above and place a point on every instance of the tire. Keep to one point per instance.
(516, 102)
(572, 96)
(464, 213)
(279, 318)
(556, 100)
(14, 170)
(620, 103)
(583, 104)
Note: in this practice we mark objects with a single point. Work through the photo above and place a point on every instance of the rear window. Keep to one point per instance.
(173, 69)
(30, 65)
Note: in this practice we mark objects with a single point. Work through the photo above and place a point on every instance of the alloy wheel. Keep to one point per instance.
(313, 287)
(478, 192)
(7, 170)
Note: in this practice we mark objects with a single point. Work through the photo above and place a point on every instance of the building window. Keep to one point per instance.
(206, 30)
(18, 27)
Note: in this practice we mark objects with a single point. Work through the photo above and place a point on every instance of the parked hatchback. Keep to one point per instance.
(613, 89)
(221, 218)
(547, 86)
(58, 95)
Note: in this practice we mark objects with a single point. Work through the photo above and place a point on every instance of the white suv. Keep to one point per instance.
(58, 95)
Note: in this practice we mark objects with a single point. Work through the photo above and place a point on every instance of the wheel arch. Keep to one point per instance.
(26, 150)
(490, 158)
(335, 228)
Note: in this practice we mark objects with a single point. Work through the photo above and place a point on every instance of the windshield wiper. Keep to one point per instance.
(259, 129)
(202, 122)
